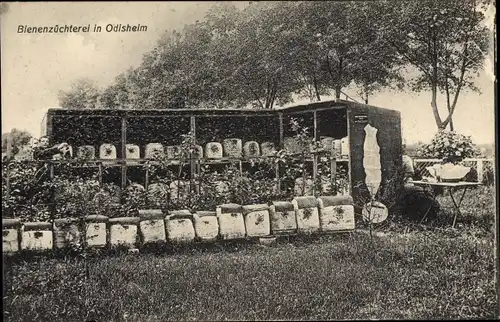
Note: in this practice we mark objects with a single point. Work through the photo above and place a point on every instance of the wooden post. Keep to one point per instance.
(192, 163)
(124, 151)
(51, 170)
(281, 131)
(333, 171)
(9, 147)
(7, 180)
(100, 174)
(280, 146)
(314, 155)
(480, 170)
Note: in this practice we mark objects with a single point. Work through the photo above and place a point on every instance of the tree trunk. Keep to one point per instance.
(316, 90)
(338, 91)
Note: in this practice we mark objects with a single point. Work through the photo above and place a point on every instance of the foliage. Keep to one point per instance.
(17, 138)
(418, 275)
(83, 94)
(444, 41)
(450, 146)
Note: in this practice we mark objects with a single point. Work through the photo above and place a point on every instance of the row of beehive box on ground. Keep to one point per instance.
(213, 150)
(228, 222)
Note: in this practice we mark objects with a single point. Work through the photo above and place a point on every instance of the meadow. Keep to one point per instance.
(405, 271)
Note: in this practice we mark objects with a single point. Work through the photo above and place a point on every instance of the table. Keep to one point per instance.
(450, 186)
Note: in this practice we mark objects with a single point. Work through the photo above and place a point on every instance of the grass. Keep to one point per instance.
(433, 272)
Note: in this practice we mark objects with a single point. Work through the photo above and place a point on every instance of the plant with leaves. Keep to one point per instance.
(449, 146)
(15, 141)
(83, 94)
(445, 43)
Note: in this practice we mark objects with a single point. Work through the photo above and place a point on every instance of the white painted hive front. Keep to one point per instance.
(180, 228)
(37, 236)
(336, 213)
(157, 194)
(153, 150)
(233, 148)
(231, 221)
(206, 225)
(152, 226)
(213, 150)
(307, 213)
(282, 217)
(257, 221)
(96, 234)
(174, 152)
(344, 149)
(179, 189)
(107, 151)
(301, 189)
(132, 151)
(10, 233)
(86, 152)
(267, 149)
(66, 233)
(251, 149)
(123, 232)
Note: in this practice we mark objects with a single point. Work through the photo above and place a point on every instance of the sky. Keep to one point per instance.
(35, 67)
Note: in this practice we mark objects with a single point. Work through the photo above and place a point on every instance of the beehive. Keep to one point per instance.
(10, 235)
(251, 149)
(153, 151)
(174, 152)
(344, 149)
(37, 236)
(157, 194)
(123, 231)
(197, 152)
(86, 152)
(283, 219)
(179, 226)
(67, 233)
(303, 190)
(107, 151)
(306, 210)
(132, 151)
(179, 189)
(257, 223)
(221, 187)
(267, 149)
(336, 213)
(213, 150)
(152, 226)
(328, 143)
(232, 148)
(291, 145)
(337, 148)
(206, 225)
(231, 221)
(95, 231)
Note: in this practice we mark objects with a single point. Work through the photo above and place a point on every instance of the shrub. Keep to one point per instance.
(449, 146)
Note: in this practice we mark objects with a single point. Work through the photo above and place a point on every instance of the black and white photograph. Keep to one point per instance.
(249, 160)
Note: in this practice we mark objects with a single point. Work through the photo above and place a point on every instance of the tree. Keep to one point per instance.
(443, 40)
(13, 141)
(83, 94)
(123, 93)
(337, 44)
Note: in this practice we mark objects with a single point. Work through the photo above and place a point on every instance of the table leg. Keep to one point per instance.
(429, 209)
(457, 205)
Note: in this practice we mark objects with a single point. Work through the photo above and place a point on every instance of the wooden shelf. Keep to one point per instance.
(142, 162)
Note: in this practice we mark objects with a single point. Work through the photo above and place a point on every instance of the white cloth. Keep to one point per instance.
(371, 160)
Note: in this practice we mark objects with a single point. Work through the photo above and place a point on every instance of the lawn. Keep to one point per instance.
(433, 272)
